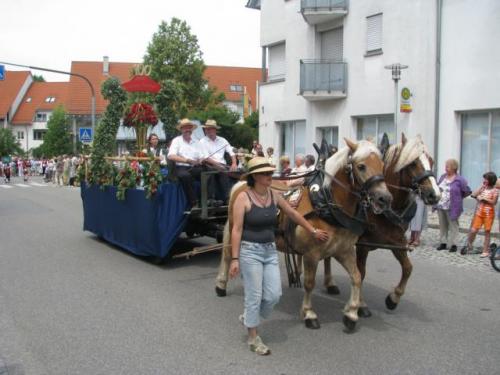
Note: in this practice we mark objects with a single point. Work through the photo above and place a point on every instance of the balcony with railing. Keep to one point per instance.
(323, 79)
(320, 11)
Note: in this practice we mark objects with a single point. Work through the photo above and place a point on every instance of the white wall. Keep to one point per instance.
(370, 87)
(470, 74)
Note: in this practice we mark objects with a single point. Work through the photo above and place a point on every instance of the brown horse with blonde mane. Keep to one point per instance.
(407, 174)
(354, 183)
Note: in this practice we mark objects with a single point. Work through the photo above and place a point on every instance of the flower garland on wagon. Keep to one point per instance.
(141, 170)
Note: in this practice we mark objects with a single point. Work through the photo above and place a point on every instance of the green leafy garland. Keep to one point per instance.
(126, 178)
(101, 172)
(152, 177)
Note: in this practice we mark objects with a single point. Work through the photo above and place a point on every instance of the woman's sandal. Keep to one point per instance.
(256, 345)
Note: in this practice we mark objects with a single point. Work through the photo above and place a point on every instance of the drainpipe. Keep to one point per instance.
(439, 11)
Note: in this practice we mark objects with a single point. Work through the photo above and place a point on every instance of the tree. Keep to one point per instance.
(238, 135)
(38, 78)
(57, 140)
(176, 62)
(174, 54)
(253, 120)
(8, 143)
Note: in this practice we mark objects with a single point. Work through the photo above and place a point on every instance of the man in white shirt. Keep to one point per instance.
(185, 152)
(213, 149)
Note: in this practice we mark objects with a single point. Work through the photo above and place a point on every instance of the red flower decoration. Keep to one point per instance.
(140, 114)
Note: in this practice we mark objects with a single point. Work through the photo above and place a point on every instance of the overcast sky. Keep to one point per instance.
(52, 33)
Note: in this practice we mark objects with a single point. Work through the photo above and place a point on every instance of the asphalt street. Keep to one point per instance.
(72, 304)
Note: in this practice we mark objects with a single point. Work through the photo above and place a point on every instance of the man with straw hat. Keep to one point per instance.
(185, 152)
(213, 148)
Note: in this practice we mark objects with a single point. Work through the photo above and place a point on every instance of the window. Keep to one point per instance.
(276, 62)
(20, 135)
(41, 117)
(39, 134)
(293, 139)
(374, 127)
(236, 88)
(330, 134)
(50, 99)
(332, 44)
(374, 34)
(480, 145)
(28, 100)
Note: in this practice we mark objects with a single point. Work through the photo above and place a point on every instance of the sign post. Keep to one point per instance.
(86, 135)
(2, 72)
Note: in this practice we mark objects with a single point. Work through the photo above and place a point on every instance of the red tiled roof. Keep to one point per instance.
(9, 89)
(222, 77)
(37, 94)
(79, 92)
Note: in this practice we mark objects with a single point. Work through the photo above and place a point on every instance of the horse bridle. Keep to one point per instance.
(363, 193)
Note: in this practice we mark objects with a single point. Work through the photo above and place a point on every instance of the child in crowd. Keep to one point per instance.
(487, 196)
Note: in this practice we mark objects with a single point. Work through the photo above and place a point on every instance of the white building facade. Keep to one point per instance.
(326, 64)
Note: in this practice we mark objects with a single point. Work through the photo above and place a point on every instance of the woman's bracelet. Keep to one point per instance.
(235, 259)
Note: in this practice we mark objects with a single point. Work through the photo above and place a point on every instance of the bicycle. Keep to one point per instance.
(495, 256)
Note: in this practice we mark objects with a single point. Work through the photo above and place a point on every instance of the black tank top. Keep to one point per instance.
(259, 222)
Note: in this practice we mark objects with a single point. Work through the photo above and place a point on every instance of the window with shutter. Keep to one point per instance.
(277, 62)
(374, 33)
(332, 44)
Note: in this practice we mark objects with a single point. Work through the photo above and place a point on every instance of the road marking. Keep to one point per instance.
(22, 185)
(37, 184)
(6, 186)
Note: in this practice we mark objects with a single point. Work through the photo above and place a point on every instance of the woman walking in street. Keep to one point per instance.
(254, 249)
(454, 189)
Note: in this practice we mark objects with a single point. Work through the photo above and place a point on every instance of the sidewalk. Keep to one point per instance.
(464, 222)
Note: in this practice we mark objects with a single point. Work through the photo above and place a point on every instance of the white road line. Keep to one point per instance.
(22, 185)
(6, 186)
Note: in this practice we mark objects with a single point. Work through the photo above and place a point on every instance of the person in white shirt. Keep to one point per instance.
(213, 148)
(309, 162)
(185, 152)
(300, 168)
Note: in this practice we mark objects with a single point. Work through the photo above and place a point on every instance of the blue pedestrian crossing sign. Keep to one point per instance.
(2, 72)
(86, 135)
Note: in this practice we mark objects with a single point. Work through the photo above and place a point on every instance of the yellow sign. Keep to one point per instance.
(405, 100)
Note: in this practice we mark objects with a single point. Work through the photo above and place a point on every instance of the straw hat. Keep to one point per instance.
(259, 165)
(185, 122)
(211, 124)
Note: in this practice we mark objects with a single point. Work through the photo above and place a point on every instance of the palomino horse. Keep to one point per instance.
(353, 178)
(407, 173)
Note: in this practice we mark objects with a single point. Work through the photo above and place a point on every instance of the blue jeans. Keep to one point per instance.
(261, 280)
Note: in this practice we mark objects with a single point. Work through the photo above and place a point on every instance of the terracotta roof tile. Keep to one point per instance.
(79, 91)
(37, 95)
(9, 89)
(222, 77)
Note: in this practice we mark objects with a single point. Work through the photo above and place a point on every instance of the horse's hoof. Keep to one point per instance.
(348, 323)
(333, 289)
(312, 323)
(364, 312)
(389, 303)
(220, 292)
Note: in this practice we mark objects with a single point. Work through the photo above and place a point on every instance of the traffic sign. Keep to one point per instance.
(86, 135)
(2, 72)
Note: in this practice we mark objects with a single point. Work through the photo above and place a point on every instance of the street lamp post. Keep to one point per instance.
(396, 76)
(92, 91)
